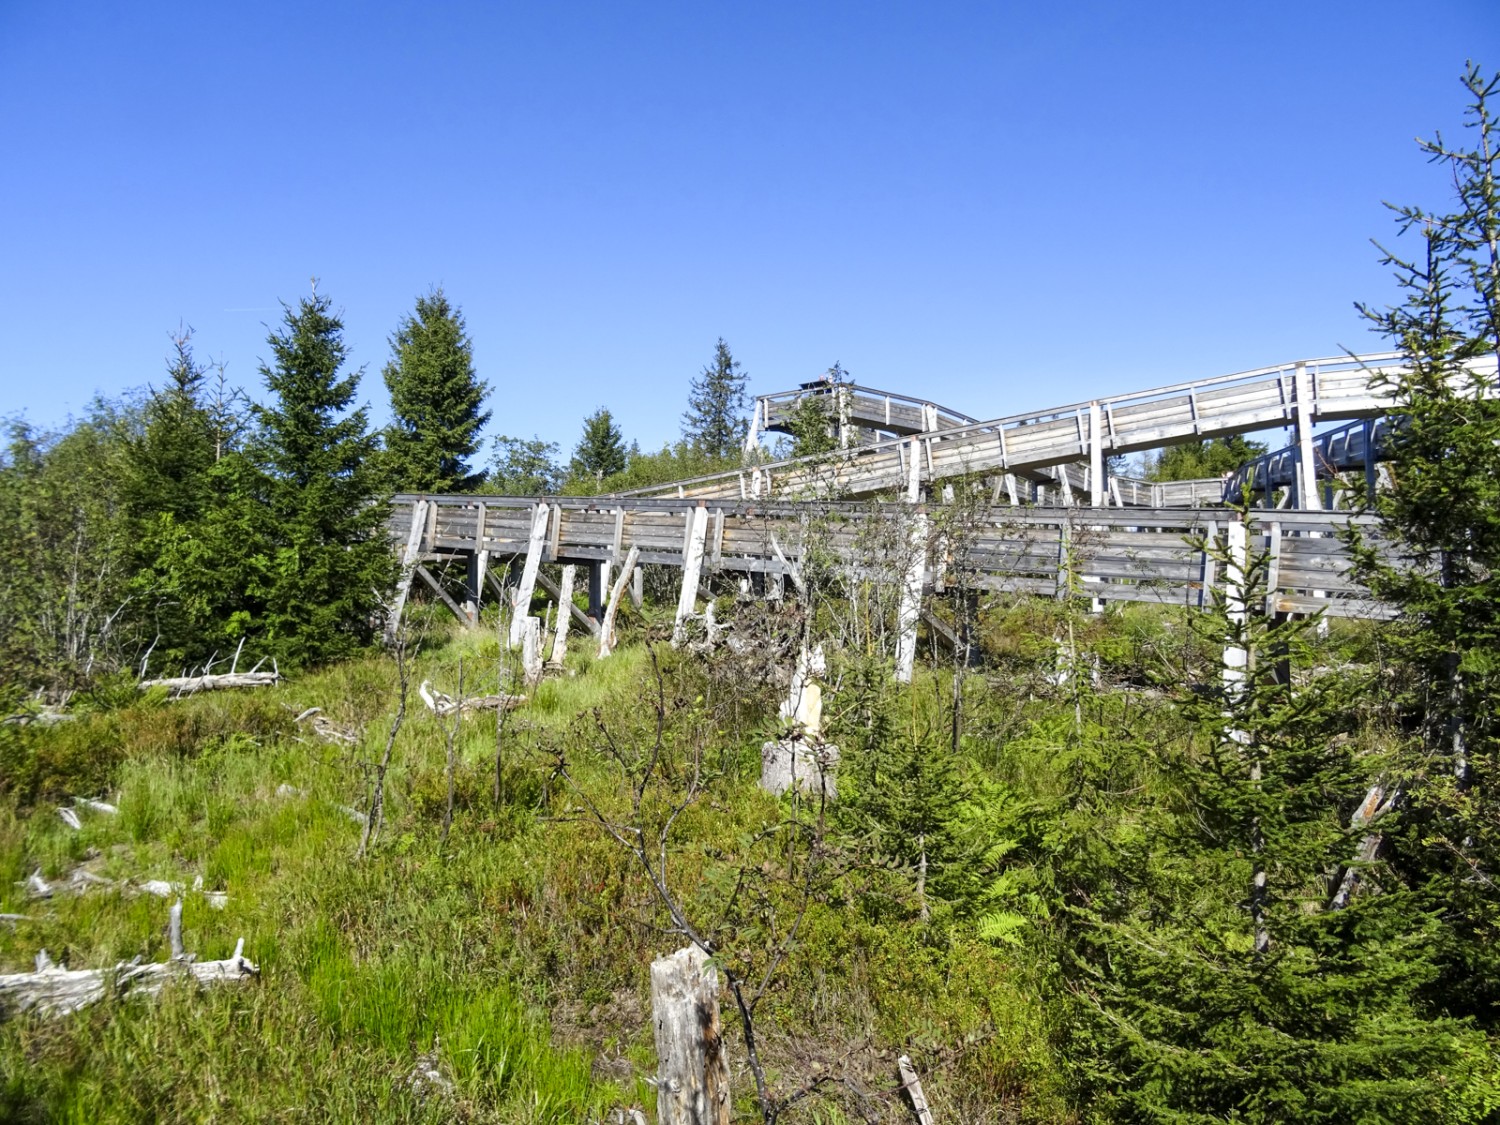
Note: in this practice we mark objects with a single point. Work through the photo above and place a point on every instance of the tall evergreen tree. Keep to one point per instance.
(437, 400)
(715, 422)
(173, 496)
(329, 557)
(1443, 517)
(170, 458)
(600, 451)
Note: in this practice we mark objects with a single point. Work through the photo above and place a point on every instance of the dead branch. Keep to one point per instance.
(52, 991)
(179, 686)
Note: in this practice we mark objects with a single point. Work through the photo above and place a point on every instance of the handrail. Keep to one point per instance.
(1368, 362)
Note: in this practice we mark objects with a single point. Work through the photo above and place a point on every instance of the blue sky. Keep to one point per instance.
(1003, 206)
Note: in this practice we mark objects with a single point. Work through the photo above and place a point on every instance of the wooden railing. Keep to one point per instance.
(1153, 555)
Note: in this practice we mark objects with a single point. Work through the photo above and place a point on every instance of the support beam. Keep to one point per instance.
(1096, 457)
(473, 586)
(692, 569)
(521, 604)
(1307, 462)
(607, 626)
(410, 555)
(531, 651)
(565, 611)
(910, 608)
(563, 596)
(598, 591)
(426, 576)
(637, 588)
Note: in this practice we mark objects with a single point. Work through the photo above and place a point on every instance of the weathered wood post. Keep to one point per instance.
(521, 599)
(565, 610)
(531, 650)
(692, 569)
(692, 1074)
(607, 626)
(909, 611)
(598, 589)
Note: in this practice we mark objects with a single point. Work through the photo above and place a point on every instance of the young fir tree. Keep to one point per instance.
(714, 422)
(328, 556)
(1212, 976)
(191, 513)
(1443, 519)
(600, 451)
(437, 401)
(171, 456)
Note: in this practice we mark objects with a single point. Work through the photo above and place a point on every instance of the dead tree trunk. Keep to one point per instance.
(692, 1073)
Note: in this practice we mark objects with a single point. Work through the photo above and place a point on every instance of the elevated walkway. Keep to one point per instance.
(1301, 394)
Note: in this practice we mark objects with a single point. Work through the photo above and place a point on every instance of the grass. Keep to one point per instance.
(517, 953)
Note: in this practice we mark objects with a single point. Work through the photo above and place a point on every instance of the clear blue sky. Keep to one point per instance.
(1003, 206)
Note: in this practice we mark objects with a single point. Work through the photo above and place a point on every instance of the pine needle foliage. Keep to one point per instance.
(1211, 979)
(327, 558)
(714, 422)
(600, 451)
(437, 400)
(1443, 519)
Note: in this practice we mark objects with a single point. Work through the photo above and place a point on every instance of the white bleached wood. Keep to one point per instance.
(531, 651)
(607, 626)
(692, 570)
(521, 602)
(51, 991)
(410, 556)
(191, 685)
(910, 610)
(912, 1085)
(564, 617)
(579, 616)
(692, 1075)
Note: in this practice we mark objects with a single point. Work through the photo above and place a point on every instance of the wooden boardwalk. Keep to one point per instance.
(1303, 395)
(1137, 555)
(1133, 541)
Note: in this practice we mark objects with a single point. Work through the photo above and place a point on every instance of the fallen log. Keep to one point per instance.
(51, 991)
(180, 686)
(326, 729)
(79, 881)
(440, 703)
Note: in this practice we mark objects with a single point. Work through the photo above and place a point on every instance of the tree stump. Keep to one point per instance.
(692, 1076)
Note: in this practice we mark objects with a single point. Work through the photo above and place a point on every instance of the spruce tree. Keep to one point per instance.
(1443, 520)
(329, 558)
(190, 581)
(714, 422)
(1199, 460)
(170, 457)
(437, 401)
(600, 451)
(1213, 975)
